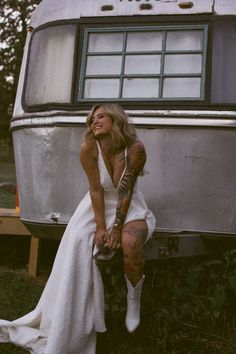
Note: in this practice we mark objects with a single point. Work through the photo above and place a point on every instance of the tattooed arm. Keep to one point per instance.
(136, 159)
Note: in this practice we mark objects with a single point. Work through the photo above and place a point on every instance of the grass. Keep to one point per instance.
(188, 307)
(19, 295)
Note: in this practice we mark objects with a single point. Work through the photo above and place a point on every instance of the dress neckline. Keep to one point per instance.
(110, 177)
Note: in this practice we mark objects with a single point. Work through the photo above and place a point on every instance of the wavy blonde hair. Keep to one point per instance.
(123, 132)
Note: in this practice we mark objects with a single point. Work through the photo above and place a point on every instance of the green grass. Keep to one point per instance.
(188, 307)
(19, 294)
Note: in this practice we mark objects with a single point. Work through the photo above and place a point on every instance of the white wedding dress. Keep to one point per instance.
(71, 308)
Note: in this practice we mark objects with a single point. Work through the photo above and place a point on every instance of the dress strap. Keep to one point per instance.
(125, 154)
(98, 146)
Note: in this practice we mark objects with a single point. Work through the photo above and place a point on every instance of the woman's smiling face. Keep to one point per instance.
(101, 122)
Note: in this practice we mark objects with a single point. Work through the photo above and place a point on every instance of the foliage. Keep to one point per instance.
(7, 200)
(14, 17)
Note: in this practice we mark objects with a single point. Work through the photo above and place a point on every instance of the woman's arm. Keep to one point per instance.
(88, 158)
(136, 159)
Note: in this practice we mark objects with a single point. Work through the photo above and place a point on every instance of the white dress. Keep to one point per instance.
(71, 308)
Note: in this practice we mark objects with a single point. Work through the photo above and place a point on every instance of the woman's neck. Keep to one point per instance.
(106, 145)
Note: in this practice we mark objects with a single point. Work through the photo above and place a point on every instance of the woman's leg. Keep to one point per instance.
(134, 235)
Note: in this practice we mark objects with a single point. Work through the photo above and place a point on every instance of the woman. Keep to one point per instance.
(112, 214)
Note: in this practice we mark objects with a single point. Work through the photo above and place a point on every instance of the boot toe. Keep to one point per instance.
(131, 325)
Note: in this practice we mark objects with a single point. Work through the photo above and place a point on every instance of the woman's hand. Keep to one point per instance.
(100, 238)
(114, 239)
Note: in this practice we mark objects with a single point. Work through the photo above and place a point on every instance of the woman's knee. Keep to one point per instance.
(133, 253)
(134, 235)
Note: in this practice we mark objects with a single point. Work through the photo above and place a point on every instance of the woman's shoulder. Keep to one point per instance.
(136, 146)
(88, 148)
(136, 152)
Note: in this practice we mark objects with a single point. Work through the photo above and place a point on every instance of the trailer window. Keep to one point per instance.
(50, 66)
(151, 63)
(223, 85)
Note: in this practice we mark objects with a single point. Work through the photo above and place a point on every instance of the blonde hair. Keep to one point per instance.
(123, 132)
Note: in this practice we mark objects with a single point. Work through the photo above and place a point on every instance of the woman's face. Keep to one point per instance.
(101, 122)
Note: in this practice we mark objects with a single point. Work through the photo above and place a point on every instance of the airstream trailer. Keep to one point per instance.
(171, 65)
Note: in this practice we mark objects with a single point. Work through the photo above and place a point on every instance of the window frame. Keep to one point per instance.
(134, 23)
(51, 105)
(163, 52)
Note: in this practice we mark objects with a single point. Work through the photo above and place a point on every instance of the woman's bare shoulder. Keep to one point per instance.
(88, 149)
(137, 147)
(136, 156)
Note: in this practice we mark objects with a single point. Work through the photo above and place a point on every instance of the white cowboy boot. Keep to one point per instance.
(133, 304)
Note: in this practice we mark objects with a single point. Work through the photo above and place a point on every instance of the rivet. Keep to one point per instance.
(145, 7)
(106, 8)
(186, 5)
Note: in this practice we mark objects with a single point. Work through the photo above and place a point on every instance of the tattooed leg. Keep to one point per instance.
(134, 235)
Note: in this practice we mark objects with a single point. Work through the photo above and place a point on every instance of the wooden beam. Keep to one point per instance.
(34, 256)
(10, 224)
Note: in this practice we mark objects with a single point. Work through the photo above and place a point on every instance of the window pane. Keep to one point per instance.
(141, 41)
(184, 40)
(101, 88)
(137, 88)
(105, 42)
(223, 84)
(142, 64)
(183, 64)
(50, 66)
(182, 87)
(104, 64)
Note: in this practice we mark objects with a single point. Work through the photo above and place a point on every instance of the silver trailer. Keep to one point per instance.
(171, 65)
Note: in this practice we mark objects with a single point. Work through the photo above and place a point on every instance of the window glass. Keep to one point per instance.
(144, 41)
(183, 64)
(155, 63)
(223, 84)
(142, 64)
(181, 87)
(105, 42)
(184, 40)
(50, 67)
(137, 88)
(110, 64)
(101, 88)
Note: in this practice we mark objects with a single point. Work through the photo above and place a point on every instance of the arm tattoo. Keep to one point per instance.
(135, 161)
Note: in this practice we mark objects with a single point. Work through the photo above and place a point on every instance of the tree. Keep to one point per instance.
(14, 18)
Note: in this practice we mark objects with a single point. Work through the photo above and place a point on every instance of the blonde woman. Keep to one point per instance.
(112, 215)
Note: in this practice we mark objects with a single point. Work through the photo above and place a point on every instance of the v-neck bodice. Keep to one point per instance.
(106, 179)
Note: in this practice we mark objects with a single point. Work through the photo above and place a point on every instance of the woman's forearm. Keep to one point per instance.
(97, 198)
(135, 161)
(125, 192)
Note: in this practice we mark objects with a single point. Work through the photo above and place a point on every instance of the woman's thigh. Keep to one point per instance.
(134, 234)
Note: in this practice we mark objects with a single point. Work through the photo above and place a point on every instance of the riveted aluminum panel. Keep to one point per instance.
(225, 7)
(49, 173)
(53, 10)
(189, 182)
(133, 7)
